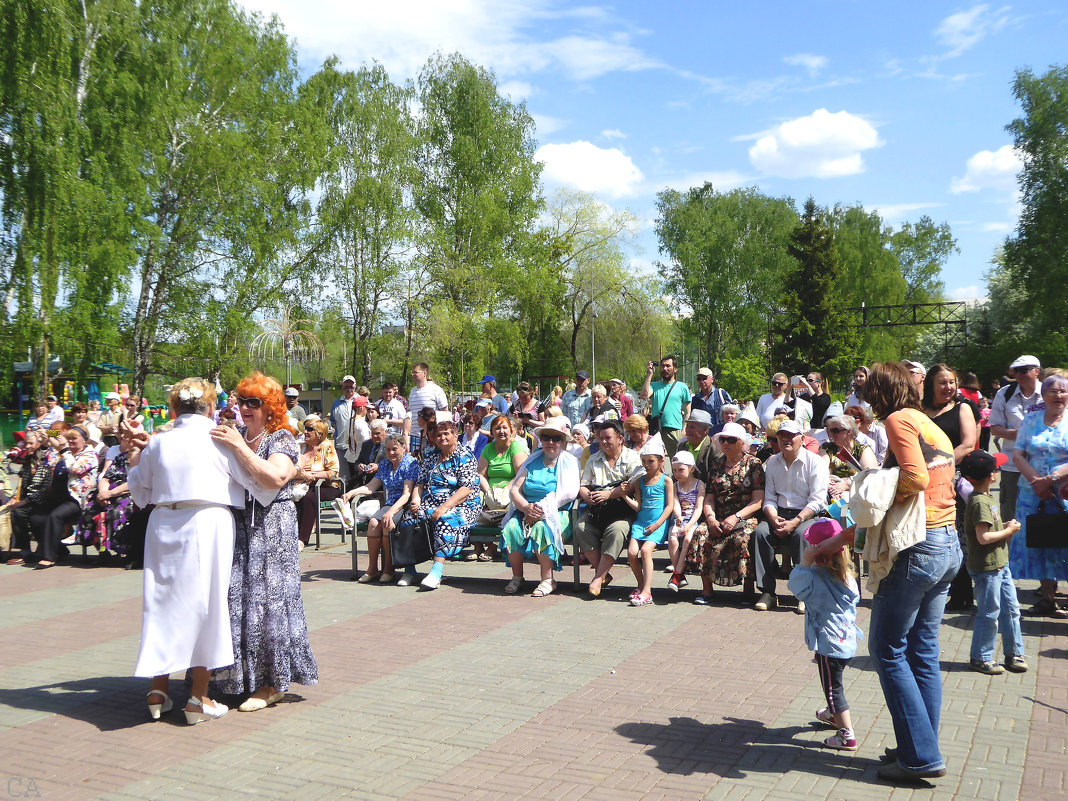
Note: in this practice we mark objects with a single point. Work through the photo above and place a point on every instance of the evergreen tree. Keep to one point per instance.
(813, 331)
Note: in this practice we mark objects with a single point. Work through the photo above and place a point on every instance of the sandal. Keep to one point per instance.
(637, 600)
(513, 586)
(484, 557)
(546, 587)
(824, 717)
(1047, 608)
(472, 557)
(840, 743)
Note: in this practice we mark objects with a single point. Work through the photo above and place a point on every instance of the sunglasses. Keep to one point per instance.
(836, 430)
(551, 438)
(778, 383)
(309, 429)
(1023, 369)
(728, 440)
(252, 403)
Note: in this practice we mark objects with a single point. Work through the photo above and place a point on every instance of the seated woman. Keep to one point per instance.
(396, 475)
(447, 493)
(109, 519)
(602, 405)
(636, 431)
(539, 522)
(869, 433)
(734, 495)
(35, 478)
(498, 464)
(579, 447)
(317, 461)
(473, 439)
(74, 467)
(846, 456)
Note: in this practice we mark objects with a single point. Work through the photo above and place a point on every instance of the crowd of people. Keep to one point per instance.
(727, 486)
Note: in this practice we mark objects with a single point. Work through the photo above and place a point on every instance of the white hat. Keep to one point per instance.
(348, 378)
(554, 425)
(682, 457)
(583, 429)
(654, 446)
(1025, 361)
(616, 381)
(292, 392)
(733, 430)
(443, 417)
(916, 367)
(787, 427)
(484, 402)
(705, 372)
(113, 396)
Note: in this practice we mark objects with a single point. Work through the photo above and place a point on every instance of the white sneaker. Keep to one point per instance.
(767, 601)
(408, 579)
(430, 581)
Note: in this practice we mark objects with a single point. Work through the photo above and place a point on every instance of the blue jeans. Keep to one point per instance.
(996, 604)
(906, 613)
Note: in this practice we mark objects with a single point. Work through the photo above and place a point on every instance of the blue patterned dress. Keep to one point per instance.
(1046, 448)
(440, 480)
(267, 620)
(654, 497)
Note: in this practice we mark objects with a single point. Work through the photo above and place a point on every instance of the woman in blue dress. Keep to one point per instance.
(652, 496)
(539, 520)
(447, 493)
(1041, 456)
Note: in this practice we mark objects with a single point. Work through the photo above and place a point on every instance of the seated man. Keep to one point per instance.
(695, 440)
(602, 531)
(795, 491)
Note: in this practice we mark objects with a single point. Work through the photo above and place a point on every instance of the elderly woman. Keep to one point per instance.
(907, 608)
(188, 551)
(845, 455)
(447, 493)
(396, 475)
(734, 495)
(74, 467)
(498, 464)
(538, 521)
(602, 406)
(579, 447)
(271, 649)
(317, 462)
(1041, 455)
(868, 432)
(110, 520)
(34, 481)
(473, 439)
(636, 431)
(728, 413)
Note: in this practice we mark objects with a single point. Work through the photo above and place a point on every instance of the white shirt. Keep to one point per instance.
(1008, 412)
(853, 400)
(430, 394)
(358, 433)
(802, 485)
(768, 407)
(393, 412)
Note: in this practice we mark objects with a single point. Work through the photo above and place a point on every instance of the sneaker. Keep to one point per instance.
(825, 718)
(703, 600)
(1017, 664)
(673, 582)
(800, 608)
(682, 581)
(669, 569)
(767, 601)
(408, 579)
(989, 668)
(841, 742)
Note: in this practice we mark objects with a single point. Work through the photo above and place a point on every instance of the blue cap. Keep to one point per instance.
(486, 378)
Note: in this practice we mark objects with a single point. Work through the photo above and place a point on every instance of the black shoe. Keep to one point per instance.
(889, 755)
(895, 774)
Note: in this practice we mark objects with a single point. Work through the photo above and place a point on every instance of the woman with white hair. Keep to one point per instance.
(728, 413)
(734, 495)
(868, 432)
(845, 455)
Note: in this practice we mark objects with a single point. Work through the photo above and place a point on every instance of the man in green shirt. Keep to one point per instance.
(671, 402)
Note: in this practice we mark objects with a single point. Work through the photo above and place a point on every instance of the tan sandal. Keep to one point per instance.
(546, 587)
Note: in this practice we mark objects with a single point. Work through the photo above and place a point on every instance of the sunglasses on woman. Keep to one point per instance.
(728, 440)
(836, 430)
(552, 438)
(309, 429)
(252, 403)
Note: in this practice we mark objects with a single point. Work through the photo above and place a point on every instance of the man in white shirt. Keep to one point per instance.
(55, 414)
(424, 393)
(340, 416)
(390, 407)
(1006, 413)
(795, 491)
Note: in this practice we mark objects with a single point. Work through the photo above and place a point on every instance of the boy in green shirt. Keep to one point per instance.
(988, 564)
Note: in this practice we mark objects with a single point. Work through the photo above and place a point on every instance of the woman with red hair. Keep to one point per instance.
(270, 633)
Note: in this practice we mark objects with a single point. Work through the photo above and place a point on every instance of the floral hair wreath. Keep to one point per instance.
(188, 394)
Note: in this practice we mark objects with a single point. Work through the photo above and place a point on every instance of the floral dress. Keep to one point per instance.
(106, 525)
(440, 480)
(725, 558)
(1046, 448)
(267, 619)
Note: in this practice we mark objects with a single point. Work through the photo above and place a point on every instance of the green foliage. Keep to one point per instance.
(745, 377)
(725, 259)
(814, 331)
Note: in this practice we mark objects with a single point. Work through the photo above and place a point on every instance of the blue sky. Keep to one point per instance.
(900, 107)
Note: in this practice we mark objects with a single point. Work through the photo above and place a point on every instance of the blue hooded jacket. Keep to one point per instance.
(830, 611)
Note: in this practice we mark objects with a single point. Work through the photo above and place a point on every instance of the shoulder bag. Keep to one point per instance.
(1048, 529)
(410, 542)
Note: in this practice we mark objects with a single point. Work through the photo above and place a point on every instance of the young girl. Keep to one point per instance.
(689, 503)
(825, 582)
(652, 496)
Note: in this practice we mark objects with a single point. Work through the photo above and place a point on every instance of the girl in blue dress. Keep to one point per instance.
(652, 496)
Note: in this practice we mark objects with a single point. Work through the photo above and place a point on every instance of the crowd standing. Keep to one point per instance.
(729, 487)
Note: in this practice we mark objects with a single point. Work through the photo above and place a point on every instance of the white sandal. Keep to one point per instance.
(205, 713)
(155, 710)
(513, 586)
(546, 587)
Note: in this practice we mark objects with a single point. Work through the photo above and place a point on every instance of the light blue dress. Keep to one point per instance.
(540, 481)
(1046, 448)
(653, 500)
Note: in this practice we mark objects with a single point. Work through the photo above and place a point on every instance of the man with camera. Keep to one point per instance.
(671, 402)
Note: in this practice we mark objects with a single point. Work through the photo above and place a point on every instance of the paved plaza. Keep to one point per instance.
(465, 693)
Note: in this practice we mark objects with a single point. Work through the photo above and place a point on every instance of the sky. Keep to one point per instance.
(900, 107)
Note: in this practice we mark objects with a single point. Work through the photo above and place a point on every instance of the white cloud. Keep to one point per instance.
(589, 168)
(723, 181)
(997, 227)
(971, 292)
(516, 90)
(821, 145)
(495, 33)
(989, 169)
(547, 125)
(613, 133)
(809, 61)
(965, 29)
(898, 211)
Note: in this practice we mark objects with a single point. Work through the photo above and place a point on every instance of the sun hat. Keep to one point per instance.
(348, 378)
(554, 425)
(701, 417)
(789, 427)
(292, 392)
(654, 447)
(822, 530)
(732, 430)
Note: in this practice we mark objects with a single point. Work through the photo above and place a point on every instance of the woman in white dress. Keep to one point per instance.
(188, 549)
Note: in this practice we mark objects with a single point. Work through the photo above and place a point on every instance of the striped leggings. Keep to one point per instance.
(830, 669)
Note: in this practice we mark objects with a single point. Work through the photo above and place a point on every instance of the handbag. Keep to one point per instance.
(1046, 529)
(410, 542)
(654, 419)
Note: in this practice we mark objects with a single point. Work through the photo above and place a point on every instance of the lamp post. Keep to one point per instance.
(593, 344)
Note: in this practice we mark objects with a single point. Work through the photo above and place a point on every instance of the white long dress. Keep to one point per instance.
(188, 550)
